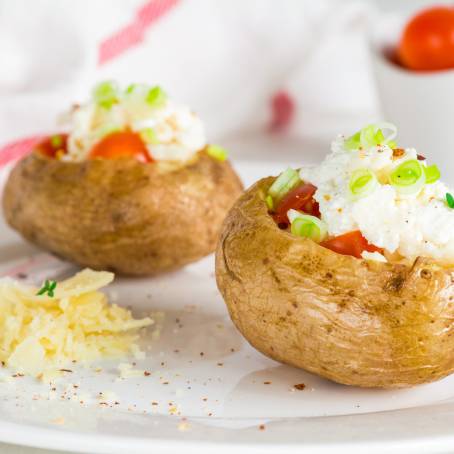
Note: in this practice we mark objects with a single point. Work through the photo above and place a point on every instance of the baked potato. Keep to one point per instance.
(354, 321)
(117, 194)
(120, 214)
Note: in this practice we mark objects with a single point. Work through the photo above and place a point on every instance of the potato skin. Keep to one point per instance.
(356, 322)
(121, 215)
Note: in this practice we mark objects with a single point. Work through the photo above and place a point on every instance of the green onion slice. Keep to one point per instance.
(149, 136)
(449, 200)
(409, 177)
(307, 226)
(130, 88)
(391, 144)
(156, 97)
(217, 152)
(367, 136)
(105, 94)
(269, 202)
(286, 181)
(362, 183)
(432, 173)
(371, 136)
(56, 141)
(353, 142)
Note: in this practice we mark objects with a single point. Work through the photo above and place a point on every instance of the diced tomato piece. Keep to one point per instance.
(52, 145)
(301, 198)
(120, 145)
(351, 243)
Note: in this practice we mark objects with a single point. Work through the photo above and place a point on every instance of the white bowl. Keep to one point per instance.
(420, 104)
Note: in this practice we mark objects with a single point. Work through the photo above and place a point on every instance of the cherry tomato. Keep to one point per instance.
(427, 42)
(53, 145)
(301, 198)
(120, 145)
(351, 243)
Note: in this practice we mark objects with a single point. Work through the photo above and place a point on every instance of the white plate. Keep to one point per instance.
(213, 391)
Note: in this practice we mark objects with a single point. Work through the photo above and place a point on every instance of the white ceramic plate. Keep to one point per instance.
(208, 389)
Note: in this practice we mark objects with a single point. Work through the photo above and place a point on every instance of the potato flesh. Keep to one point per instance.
(353, 321)
(121, 215)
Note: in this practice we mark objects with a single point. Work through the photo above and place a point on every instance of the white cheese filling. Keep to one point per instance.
(411, 225)
(179, 133)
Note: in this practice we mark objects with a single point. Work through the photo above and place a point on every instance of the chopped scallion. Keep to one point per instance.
(371, 136)
(269, 202)
(432, 173)
(362, 183)
(217, 152)
(105, 94)
(391, 144)
(353, 142)
(307, 226)
(409, 177)
(286, 181)
(148, 135)
(156, 97)
(130, 88)
(368, 136)
(56, 141)
(449, 200)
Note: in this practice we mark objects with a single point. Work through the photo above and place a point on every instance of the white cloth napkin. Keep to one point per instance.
(226, 59)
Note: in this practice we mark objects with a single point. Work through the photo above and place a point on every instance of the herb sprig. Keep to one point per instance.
(48, 287)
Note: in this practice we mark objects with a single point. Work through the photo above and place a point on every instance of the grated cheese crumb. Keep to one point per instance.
(184, 426)
(126, 371)
(58, 421)
(107, 396)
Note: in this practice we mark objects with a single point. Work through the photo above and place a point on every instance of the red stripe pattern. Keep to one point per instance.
(282, 111)
(133, 33)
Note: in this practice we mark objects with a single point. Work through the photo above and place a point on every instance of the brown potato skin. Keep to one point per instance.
(355, 322)
(121, 215)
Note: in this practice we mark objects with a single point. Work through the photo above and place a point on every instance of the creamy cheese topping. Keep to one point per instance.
(410, 225)
(177, 132)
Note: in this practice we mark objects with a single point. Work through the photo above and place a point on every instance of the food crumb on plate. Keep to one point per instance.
(7, 379)
(300, 386)
(58, 421)
(127, 371)
(107, 397)
(173, 410)
(183, 426)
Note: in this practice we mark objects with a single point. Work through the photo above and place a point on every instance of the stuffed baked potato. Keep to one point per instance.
(108, 203)
(310, 299)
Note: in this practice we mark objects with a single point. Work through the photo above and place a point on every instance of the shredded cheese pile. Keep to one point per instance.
(42, 334)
